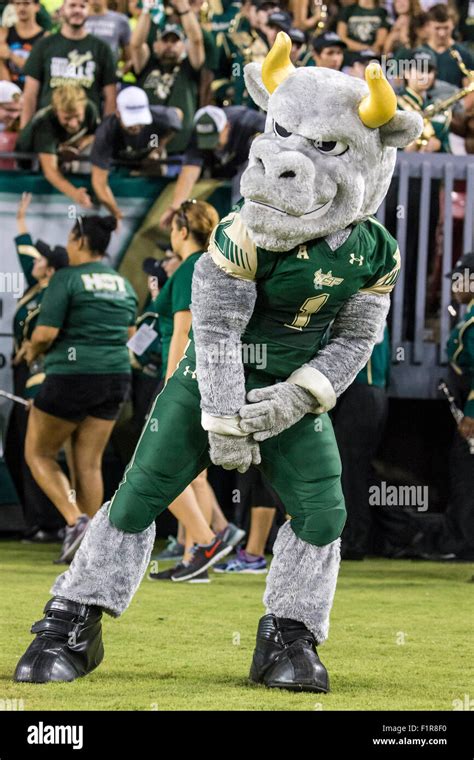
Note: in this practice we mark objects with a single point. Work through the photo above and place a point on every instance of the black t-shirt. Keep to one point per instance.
(22, 47)
(244, 124)
(113, 142)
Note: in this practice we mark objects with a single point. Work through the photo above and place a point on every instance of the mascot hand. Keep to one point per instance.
(233, 452)
(274, 409)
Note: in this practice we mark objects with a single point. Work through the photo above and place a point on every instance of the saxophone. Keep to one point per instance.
(435, 108)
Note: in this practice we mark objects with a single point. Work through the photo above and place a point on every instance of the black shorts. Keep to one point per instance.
(256, 491)
(75, 397)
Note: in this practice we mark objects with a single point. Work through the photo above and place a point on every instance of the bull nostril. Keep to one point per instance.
(288, 175)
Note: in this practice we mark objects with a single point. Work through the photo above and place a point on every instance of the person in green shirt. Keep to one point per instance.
(38, 264)
(87, 316)
(363, 26)
(60, 133)
(71, 55)
(170, 71)
(448, 52)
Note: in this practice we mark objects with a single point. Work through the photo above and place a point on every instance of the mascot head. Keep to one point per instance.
(328, 152)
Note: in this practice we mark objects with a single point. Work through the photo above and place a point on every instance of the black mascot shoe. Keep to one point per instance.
(285, 657)
(68, 643)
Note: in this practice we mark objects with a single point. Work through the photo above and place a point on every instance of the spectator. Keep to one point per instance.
(9, 16)
(219, 144)
(70, 55)
(466, 23)
(38, 263)
(110, 27)
(363, 26)
(278, 21)
(136, 132)
(169, 73)
(299, 54)
(399, 34)
(16, 42)
(329, 51)
(440, 41)
(11, 104)
(62, 132)
(417, 95)
(87, 315)
(243, 43)
(309, 15)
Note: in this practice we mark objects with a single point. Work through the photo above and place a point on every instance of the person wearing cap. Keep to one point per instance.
(418, 93)
(363, 26)
(170, 71)
(16, 42)
(62, 131)
(70, 55)
(299, 54)
(136, 132)
(359, 63)
(219, 146)
(38, 263)
(277, 21)
(11, 104)
(328, 50)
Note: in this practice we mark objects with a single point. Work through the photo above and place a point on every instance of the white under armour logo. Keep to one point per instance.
(189, 371)
(354, 258)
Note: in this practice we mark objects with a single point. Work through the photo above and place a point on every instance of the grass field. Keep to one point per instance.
(401, 638)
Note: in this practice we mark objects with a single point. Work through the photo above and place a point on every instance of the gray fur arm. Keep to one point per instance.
(221, 307)
(356, 329)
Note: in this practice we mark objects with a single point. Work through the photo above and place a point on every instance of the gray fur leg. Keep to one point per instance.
(108, 566)
(302, 581)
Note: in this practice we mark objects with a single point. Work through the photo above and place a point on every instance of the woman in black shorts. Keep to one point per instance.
(87, 316)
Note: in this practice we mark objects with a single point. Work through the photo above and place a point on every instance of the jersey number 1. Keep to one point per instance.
(306, 310)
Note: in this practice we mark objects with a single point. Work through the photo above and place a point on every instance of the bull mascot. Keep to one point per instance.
(300, 253)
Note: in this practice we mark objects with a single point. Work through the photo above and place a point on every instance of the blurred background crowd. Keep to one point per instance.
(157, 88)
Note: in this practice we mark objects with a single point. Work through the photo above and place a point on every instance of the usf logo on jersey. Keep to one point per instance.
(104, 281)
(322, 279)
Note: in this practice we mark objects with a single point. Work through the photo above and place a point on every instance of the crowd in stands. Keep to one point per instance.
(158, 88)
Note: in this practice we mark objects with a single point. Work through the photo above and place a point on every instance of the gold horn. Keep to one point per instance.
(378, 107)
(277, 65)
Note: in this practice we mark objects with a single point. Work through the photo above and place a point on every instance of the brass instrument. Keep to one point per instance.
(323, 18)
(457, 57)
(435, 108)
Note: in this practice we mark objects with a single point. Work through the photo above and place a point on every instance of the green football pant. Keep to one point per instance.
(302, 463)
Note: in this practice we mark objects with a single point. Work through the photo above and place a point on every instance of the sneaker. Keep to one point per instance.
(167, 575)
(202, 558)
(241, 564)
(172, 550)
(232, 534)
(73, 539)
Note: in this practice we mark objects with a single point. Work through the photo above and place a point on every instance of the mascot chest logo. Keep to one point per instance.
(322, 279)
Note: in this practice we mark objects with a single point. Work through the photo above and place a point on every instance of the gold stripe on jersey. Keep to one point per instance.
(28, 250)
(460, 348)
(37, 379)
(386, 283)
(232, 248)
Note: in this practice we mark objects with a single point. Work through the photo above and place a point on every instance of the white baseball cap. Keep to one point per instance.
(133, 107)
(8, 90)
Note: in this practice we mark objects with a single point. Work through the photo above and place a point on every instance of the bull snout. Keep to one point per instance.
(282, 165)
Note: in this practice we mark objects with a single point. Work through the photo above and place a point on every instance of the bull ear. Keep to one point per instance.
(402, 129)
(255, 86)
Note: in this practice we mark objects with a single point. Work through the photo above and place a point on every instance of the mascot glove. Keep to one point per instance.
(276, 408)
(233, 452)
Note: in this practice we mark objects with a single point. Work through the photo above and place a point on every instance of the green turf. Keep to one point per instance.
(186, 647)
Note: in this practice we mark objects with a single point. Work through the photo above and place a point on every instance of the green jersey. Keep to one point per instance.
(174, 296)
(27, 308)
(93, 306)
(447, 68)
(44, 133)
(300, 291)
(56, 60)
(461, 353)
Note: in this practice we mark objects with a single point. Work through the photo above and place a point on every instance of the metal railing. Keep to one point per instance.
(424, 356)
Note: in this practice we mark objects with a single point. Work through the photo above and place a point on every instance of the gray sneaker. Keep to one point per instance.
(73, 539)
(172, 550)
(232, 534)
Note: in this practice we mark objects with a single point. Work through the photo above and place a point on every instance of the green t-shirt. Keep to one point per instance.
(176, 86)
(55, 61)
(174, 296)
(300, 292)
(409, 100)
(44, 133)
(93, 306)
(447, 67)
(460, 350)
(364, 23)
